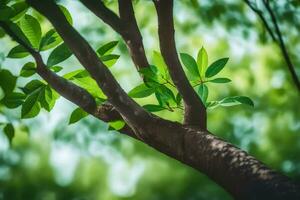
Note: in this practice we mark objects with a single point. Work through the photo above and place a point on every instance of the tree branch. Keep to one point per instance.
(195, 111)
(276, 37)
(263, 19)
(104, 13)
(65, 88)
(69, 90)
(130, 110)
(240, 174)
(126, 26)
(282, 46)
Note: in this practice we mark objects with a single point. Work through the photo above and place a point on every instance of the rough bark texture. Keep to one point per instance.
(243, 176)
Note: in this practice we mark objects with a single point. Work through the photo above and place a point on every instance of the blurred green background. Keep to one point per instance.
(49, 160)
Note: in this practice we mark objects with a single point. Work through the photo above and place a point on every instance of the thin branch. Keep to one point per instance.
(195, 112)
(263, 19)
(129, 109)
(276, 37)
(126, 26)
(65, 88)
(282, 46)
(69, 90)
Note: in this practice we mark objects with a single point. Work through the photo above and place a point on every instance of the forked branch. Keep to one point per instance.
(125, 25)
(282, 46)
(130, 110)
(276, 36)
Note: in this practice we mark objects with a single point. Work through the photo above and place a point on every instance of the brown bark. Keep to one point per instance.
(243, 176)
(195, 111)
(125, 25)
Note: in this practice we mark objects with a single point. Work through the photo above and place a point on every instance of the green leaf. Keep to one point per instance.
(28, 69)
(32, 30)
(5, 13)
(56, 68)
(7, 81)
(31, 106)
(212, 104)
(110, 59)
(90, 85)
(13, 100)
(190, 63)
(47, 98)
(149, 71)
(153, 108)
(165, 96)
(66, 13)
(244, 100)
(32, 86)
(237, 100)
(18, 52)
(2, 95)
(49, 40)
(203, 93)
(80, 73)
(19, 9)
(216, 67)
(220, 80)
(9, 131)
(178, 98)
(141, 91)
(229, 101)
(2, 33)
(58, 55)
(77, 115)
(4, 2)
(18, 32)
(167, 93)
(107, 48)
(202, 61)
(160, 64)
(116, 125)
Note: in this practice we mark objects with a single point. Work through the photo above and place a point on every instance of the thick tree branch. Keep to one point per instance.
(195, 111)
(282, 46)
(243, 176)
(130, 110)
(126, 26)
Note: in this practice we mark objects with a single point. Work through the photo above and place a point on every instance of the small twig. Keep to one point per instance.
(263, 19)
(282, 46)
(168, 82)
